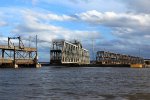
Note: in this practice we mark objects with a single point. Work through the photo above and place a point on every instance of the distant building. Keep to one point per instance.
(63, 52)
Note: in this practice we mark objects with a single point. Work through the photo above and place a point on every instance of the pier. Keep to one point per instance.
(15, 56)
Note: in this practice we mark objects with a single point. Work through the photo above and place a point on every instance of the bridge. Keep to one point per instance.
(64, 52)
(18, 56)
(104, 57)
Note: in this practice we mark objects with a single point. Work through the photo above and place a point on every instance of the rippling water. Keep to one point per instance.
(48, 83)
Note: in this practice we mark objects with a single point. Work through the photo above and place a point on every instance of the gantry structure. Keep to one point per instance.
(64, 52)
(17, 55)
(104, 57)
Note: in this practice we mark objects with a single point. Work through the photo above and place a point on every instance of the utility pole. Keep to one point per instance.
(93, 49)
(36, 50)
(29, 46)
(36, 41)
(139, 52)
(29, 41)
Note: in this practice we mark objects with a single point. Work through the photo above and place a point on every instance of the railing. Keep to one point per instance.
(6, 61)
(24, 61)
(18, 61)
(17, 48)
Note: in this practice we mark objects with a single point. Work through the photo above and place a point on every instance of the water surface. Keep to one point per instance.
(80, 83)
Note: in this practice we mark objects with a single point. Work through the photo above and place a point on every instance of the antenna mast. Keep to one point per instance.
(93, 48)
(36, 50)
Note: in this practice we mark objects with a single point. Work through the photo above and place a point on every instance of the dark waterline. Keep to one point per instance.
(94, 83)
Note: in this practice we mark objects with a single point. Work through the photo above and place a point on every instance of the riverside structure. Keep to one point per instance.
(18, 56)
(64, 52)
(109, 58)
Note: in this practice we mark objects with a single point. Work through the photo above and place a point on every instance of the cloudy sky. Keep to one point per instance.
(121, 26)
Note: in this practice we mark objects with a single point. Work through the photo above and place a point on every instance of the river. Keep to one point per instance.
(75, 83)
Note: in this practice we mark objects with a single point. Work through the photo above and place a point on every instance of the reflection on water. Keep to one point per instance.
(49, 83)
